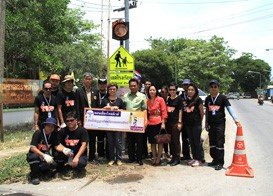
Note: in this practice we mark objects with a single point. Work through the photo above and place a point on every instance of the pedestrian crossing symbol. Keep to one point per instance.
(121, 60)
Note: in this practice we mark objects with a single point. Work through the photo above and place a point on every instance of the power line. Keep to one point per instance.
(96, 4)
(230, 16)
(194, 3)
(237, 23)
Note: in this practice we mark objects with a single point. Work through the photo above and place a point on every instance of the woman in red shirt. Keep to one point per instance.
(157, 113)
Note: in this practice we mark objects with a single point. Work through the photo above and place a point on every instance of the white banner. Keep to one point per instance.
(114, 120)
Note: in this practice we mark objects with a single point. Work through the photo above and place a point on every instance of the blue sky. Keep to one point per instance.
(247, 25)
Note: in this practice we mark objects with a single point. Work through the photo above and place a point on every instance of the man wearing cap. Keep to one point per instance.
(55, 81)
(215, 105)
(102, 143)
(184, 135)
(102, 89)
(40, 156)
(45, 106)
(66, 99)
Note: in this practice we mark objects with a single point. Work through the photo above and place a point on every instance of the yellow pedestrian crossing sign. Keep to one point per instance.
(121, 60)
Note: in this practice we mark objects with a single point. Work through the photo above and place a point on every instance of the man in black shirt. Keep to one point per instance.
(66, 99)
(74, 138)
(184, 135)
(54, 79)
(215, 105)
(40, 156)
(102, 142)
(45, 106)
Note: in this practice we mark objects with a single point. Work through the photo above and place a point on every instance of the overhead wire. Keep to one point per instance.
(231, 16)
(233, 24)
(196, 3)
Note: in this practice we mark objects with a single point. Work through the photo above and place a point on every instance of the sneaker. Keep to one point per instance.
(119, 163)
(67, 175)
(35, 181)
(190, 162)
(196, 163)
(111, 163)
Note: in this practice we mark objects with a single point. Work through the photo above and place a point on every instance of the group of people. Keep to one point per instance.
(61, 142)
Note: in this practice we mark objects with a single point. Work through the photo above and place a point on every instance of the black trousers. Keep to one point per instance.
(185, 144)
(194, 133)
(135, 146)
(145, 146)
(37, 165)
(175, 145)
(217, 141)
(61, 159)
(102, 146)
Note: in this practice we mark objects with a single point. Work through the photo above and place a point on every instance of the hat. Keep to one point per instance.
(68, 78)
(186, 81)
(51, 121)
(102, 81)
(54, 77)
(214, 82)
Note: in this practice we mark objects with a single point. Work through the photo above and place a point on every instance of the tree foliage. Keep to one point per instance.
(246, 81)
(47, 36)
(154, 65)
(198, 60)
(202, 61)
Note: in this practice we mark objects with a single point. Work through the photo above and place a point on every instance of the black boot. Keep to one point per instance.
(34, 174)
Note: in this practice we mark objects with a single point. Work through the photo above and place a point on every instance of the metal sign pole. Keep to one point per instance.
(2, 44)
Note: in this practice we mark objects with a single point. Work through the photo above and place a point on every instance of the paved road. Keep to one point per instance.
(185, 180)
(18, 117)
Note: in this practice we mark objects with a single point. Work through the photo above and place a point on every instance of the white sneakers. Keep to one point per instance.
(195, 163)
(119, 163)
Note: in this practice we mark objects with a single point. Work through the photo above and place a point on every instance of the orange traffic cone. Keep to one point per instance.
(239, 166)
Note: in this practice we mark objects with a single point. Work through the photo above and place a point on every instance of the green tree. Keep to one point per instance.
(246, 81)
(154, 65)
(199, 60)
(41, 34)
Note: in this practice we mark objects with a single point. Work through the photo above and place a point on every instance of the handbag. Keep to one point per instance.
(163, 138)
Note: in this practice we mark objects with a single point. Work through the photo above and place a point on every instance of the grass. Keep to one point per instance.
(14, 169)
(15, 139)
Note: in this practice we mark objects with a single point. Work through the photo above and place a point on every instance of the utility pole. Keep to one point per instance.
(108, 38)
(101, 30)
(126, 8)
(126, 5)
(2, 51)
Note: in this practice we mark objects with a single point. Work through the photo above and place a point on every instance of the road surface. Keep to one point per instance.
(18, 117)
(185, 180)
